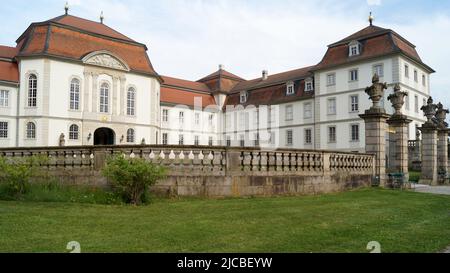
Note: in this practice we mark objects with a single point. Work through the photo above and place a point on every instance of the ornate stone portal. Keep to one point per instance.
(399, 123)
(429, 145)
(375, 122)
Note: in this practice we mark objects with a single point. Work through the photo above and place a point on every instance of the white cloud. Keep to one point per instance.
(374, 2)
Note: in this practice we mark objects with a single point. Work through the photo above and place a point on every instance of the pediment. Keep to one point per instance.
(105, 59)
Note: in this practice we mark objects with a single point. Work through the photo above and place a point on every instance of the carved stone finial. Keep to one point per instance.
(66, 7)
(397, 99)
(429, 110)
(102, 17)
(376, 92)
(62, 140)
(441, 115)
(371, 18)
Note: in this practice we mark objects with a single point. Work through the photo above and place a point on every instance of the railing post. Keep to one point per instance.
(233, 161)
(99, 159)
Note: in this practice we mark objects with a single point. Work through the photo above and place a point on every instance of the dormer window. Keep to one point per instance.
(290, 88)
(243, 97)
(354, 48)
(309, 86)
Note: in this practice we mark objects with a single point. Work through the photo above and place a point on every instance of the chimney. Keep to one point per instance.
(265, 75)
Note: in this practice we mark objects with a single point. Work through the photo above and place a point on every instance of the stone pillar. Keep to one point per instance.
(442, 151)
(429, 155)
(87, 90)
(399, 123)
(429, 145)
(375, 122)
(115, 94)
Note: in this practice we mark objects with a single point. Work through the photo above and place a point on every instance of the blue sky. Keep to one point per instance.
(190, 38)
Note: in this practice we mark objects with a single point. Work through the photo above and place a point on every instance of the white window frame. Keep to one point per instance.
(331, 106)
(104, 97)
(243, 96)
(181, 118)
(416, 103)
(165, 138)
(4, 129)
(353, 75)
(307, 110)
(379, 67)
(331, 79)
(181, 139)
(354, 49)
(354, 135)
(290, 88)
(74, 94)
(131, 101)
(416, 75)
(424, 80)
(30, 130)
(242, 140)
(197, 118)
(32, 91)
(289, 137)
(289, 112)
(4, 98)
(165, 115)
(407, 102)
(308, 136)
(354, 105)
(131, 135)
(74, 132)
(309, 85)
(196, 140)
(210, 141)
(211, 120)
(331, 134)
(406, 67)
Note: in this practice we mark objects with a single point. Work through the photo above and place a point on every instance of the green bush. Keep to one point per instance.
(15, 173)
(131, 178)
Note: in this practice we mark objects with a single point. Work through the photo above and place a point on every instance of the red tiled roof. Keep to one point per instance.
(274, 79)
(221, 72)
(72, 44)
(177, 96)
(8, 52)
(365, 32)
(185, 84)
(9, 72)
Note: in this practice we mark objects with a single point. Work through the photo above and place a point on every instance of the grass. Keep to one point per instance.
(401, 221)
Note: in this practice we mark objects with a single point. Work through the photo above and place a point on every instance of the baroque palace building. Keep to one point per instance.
(71, 81)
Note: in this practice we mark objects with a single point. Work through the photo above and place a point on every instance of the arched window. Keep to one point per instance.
(75, 94)
(131, 101)
(32, 90)
(73, 132)
(31, 130)
(104, 98)
(130, 136)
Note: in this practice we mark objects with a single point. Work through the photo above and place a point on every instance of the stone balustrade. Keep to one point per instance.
(215, 171)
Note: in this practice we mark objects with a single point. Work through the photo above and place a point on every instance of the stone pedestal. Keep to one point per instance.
(376, 127)
(442, 152)
(429, 155)
(400, 124)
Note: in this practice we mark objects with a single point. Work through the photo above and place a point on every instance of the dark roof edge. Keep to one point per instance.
(185, 89)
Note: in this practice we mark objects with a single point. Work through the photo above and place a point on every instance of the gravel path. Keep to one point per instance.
(432, 189)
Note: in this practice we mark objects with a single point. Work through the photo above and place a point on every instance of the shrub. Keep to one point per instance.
(131, 178)
(15, 173)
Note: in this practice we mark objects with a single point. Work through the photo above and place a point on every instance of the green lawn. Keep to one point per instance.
(401, 221)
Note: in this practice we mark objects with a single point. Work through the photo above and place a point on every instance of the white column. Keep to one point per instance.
(94, 93)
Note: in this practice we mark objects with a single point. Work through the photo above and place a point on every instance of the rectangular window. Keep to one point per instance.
(211, 119)
(165, 139)
(197, 118)
(354, 50)
(309, 86)
(210, 141)
(331, 106)
(332, 134)
(3, 129)
(271, 137)
(331, 79)
(290, 89)
(242, 120)
(407, 102)
(308, 136)
(353, 75)
(256, 118)
(354, 103)
(271, 114)
(289, 138)
(289, 112)
(243, 97)
(4, 98)
(181, 118)
(307, 110)
(196, 140)
(355, 132)
(165, 116)
(228, 141)
(181, 140)
(416, 104)
(241, 140)
(256, 140)
(378, 69)
(406, 71)
(424, 80)
(104, 99)
(416, 77)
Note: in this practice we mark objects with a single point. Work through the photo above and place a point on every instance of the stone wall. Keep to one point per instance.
(216, 171)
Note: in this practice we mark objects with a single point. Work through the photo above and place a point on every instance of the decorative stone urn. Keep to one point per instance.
(376, 91)
(441, 115)
(429, 110)
(397, 99)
